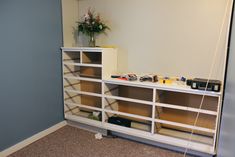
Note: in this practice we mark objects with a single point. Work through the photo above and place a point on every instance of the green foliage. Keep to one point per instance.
(91, 24)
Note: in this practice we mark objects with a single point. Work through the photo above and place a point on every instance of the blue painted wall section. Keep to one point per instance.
(30, 68)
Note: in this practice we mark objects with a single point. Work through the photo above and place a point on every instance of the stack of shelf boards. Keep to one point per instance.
(163, 113)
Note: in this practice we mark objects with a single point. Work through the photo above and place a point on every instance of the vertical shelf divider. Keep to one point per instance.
(153, 111)
(103, 107)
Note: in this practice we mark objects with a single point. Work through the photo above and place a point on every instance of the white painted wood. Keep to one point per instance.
(109, 61)
(166, 87)
(83, 64)
(129, 99)
(32, 139)
(82, 78)
(186, 108)
(83, 120)
(103, 104)
(83, 93)
(129, 115)
(83, 106)
(185, 126)
(185, 135)
(109, 92)
(153, 112)
(76, 49)
(161, 138)
(216, 136)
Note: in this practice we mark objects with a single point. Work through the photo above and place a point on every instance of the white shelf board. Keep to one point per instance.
(83, 106)
(86, 49)
(186, 136)
(167, 87)
(186, 108)
(70, 76)
(83, 64)
(83, 120)
(185, 126)
(82, 93)
(128, 115)
(129, 99)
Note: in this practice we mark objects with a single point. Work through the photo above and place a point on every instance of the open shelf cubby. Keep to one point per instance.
(91, 57)
(183, 133)
(135, 109)
(89, 101)
(187, 118)
(131, 92)
(130, 122)
(82, 71)
(71, 57)
(77, 111)
(188, 100)
(82, 85)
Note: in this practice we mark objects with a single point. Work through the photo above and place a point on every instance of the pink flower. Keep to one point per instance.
(86, 17)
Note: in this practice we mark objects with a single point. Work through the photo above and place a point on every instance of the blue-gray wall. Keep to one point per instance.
(30, 68)
(227, 132)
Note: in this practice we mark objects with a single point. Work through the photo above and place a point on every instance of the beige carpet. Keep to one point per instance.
(73, 142)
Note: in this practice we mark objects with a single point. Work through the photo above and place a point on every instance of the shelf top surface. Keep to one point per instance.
(84, 48)
(175, 87)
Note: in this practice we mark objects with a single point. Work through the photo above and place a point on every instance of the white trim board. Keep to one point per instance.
(32, 139)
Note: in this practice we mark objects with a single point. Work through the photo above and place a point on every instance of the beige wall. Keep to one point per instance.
(167, 37)
(70, 16)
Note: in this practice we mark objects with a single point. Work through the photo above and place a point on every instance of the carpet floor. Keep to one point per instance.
(73, 142)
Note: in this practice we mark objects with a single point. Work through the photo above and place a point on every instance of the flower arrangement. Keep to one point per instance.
(91, 25)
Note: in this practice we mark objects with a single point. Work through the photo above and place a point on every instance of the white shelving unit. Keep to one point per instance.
(158, 112)
(83, 72)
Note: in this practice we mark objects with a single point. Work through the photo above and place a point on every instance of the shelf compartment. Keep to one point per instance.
(74, 110)
(92, 57)
(71, 57)
(87, 100)
(185, 118)
(82, 71)
(128, 107)
(187, 101)
(128, 122)
(82, 85)
(138, 93)
(201, 137)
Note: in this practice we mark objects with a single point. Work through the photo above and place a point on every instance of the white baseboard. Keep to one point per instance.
(32, 139)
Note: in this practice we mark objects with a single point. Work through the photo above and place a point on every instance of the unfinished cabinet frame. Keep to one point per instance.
(161, 113)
